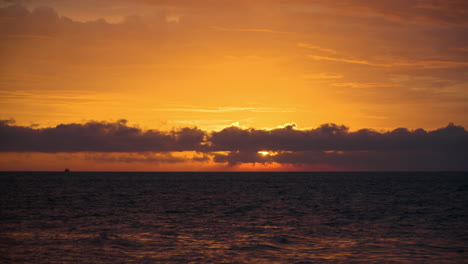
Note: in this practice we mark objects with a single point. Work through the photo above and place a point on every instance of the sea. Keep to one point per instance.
(223, 217)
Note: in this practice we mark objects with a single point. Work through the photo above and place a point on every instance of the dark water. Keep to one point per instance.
(233, 217)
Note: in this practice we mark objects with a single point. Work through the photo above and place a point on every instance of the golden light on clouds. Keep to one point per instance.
(167, 65)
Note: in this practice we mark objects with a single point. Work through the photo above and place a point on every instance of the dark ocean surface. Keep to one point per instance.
(391, 217)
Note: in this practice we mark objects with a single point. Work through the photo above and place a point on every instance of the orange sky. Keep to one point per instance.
(169, 64)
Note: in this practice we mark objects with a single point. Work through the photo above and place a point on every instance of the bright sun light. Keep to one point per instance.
(264, 153)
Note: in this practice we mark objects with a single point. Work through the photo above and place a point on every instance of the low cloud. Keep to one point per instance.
(97, 137)
(339, 138)
(354, 160)
(328, 145)
(149, 157)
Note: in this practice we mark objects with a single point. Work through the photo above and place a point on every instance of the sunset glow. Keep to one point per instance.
(233, 85)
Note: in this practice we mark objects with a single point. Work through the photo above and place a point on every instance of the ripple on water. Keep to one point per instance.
(234, 218)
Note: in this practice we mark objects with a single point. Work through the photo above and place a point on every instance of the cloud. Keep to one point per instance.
(97, 137)
(148, 157)
(428, 64)
(339, 138)
(258, 30)
(54, 49)
(322, 76)
(450, 12)
(352, 61)
(225, 109)
(329, 145)
(431, 11)
(335, 146)
(364, 85)
(353, 160)
(308, 46)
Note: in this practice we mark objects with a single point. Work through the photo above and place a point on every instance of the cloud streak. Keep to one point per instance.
(257, 30)
(226, 109)
(429, 64)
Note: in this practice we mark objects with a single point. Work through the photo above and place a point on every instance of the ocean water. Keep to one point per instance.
(391, 217)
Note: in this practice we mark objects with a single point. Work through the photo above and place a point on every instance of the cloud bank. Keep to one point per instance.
(329, 144)
(97, 137)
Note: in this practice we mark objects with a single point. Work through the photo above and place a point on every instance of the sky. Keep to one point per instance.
(225, 85)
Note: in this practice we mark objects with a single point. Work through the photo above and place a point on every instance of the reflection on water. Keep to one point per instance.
(233, 217)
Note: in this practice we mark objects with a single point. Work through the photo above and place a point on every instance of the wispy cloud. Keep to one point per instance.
(432, 64)
(259, 30)
(429, 64)
(319, 48)
(45, 97)
(319, 76)
(149, 157)
(227, 109)
(364, 85)
(462, 49)
(352, 61)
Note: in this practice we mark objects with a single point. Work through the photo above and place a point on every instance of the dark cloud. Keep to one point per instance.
(426, 11)
(97, 137)
(45, 21)
(330, 145)
(339, 138)
(354, 160)
(136, 157)
(41, 21)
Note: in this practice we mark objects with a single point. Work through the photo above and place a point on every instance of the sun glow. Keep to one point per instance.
(212, 94)
(266, 153)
